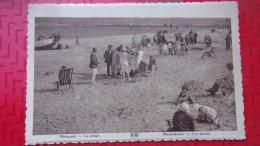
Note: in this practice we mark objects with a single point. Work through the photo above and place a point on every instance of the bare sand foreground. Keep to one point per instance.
(113, 105)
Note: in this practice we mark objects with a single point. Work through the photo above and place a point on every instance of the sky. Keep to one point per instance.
(129, 21)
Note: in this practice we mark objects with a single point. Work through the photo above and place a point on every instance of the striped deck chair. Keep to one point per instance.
(65, 78)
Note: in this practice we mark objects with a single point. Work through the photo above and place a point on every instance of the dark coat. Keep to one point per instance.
(93, 60)
(108, 56)
(182, 122)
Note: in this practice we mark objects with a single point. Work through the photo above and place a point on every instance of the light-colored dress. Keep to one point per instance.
(124, 61)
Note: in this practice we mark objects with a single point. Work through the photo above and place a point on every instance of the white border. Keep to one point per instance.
(145, 10)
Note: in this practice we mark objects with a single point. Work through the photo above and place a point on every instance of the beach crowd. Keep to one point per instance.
(118, 66)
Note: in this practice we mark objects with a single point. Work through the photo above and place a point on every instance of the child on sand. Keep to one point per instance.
(184, 96)
(152, 66)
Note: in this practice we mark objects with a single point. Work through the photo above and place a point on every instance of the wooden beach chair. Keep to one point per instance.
(65, 78)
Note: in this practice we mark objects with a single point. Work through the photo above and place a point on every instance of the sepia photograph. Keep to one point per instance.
(137, 75)
(106, 75)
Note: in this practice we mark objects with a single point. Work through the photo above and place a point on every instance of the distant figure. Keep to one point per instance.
(178, 47)
(58, 37)
(207, 40)
(124, 63)
(108, 58)
(184, 96)
(191, 34)
(93, 64)
(55, 37)
(170, 48)
(228, 41)
(226, 82)
(210, 52)
(187, 39)
(181, 120)
(67, 46)
(152, 66)
(77, 40)
(207, 114)
(195, 37)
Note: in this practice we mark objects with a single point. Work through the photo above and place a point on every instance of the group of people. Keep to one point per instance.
(182, 119)
(119, 65)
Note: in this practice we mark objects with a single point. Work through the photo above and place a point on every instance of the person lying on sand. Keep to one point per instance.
(182, 121)
(207, 114)
(224, 83)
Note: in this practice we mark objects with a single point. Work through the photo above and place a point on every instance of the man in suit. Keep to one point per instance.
(108, 58)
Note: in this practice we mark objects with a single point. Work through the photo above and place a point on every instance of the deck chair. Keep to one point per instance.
(226, 92)
(65, 78)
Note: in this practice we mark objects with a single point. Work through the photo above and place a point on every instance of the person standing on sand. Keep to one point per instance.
(124, 63)
(58, 37)
(195, 37)
(108, 58)
(93, 64)
(228, 41)
(115, 62)
(182, 121)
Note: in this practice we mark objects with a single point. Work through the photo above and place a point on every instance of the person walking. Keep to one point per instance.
(108, 58)
(93, 64)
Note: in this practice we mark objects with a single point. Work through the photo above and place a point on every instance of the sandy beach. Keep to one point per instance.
(113, 105)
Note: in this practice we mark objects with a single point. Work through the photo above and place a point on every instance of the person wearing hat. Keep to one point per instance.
(207, 114)
(182, 121)
(124, 63)
(93, 64)
(225, 83)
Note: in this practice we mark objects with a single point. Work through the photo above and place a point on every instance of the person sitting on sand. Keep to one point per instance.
(182, 121)
(224, 83)
(93, 64)
(152, 66)
(207, 114)
(184, 96)
(124, 63)
(210, 52)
